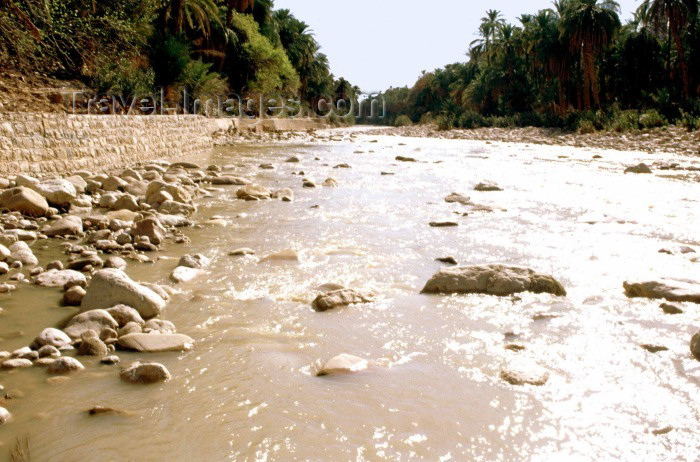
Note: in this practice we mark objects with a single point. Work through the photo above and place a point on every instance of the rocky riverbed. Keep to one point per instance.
(348, 294)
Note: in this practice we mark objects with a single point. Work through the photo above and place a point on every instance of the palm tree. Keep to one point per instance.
(194, 14)
(676, 16)
(590, 26)
(488, 28)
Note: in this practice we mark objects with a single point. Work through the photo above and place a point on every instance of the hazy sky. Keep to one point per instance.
(376, 44)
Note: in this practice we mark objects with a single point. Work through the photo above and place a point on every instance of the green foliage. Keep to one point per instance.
(169, 57)
(403, 121)
(652, 119)
(128, 46)
(125, 77)
(573, 67)
(261, 67)
(200, 81)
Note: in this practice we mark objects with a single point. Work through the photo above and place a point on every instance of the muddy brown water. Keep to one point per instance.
(248, 390)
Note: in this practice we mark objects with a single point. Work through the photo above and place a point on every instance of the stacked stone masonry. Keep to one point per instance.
(58, 143)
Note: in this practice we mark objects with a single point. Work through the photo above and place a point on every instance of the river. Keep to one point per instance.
(248, 390)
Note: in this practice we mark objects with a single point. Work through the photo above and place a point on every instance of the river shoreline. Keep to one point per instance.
(670, 140)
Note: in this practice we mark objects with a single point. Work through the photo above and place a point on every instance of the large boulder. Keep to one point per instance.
(338, 298)
(94, 320)
(155, 343)
(672, 290)
(491, 279)
(60, 278)
(110, 287)
(58, 192)
(145, 373)
(24, 201)
(67, 226)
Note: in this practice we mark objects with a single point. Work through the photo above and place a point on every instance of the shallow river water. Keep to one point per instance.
(248, 389)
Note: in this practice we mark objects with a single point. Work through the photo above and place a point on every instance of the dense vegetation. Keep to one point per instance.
(131, 47)
(572, 66)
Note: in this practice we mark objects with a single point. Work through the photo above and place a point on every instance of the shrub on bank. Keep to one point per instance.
(403, 121)
(652, 119)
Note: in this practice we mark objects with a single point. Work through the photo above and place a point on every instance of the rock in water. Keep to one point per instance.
(5, 416)
(145, 373)
(74, 296)
(343, 364)
(92, 346)
(125, 314)
(65, 365)
(17, 363)
(155, 343)
(458, 198)
(241, 252)
(68, 226)
(20, 252)
(24, 201)
(670, 309)
(53, 337)
(342, 297)
(672, 290)
(59, 278)
(641, 168)
(184, 274)
(95, 320)
(443, 224)
(197, 261)
(285, 255)
(491, 279)
(524, 373)
(695, 346)
(151, 228)
(253, 192)
(486, 186)
(111, 287)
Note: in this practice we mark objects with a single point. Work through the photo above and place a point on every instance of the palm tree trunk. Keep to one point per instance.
(176, 16)
(593, 77)
(681, 57)
(562, 96)
(586, 76)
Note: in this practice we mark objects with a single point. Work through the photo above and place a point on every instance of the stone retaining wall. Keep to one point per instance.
(55, 143)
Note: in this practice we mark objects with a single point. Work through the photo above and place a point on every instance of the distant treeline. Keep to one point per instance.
(131, 47)
(572, 66)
